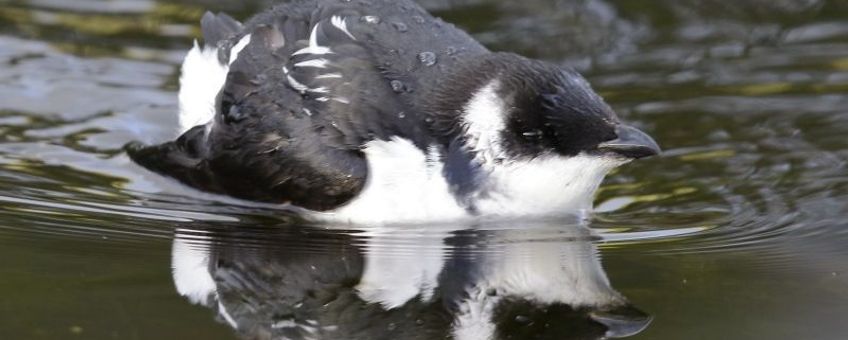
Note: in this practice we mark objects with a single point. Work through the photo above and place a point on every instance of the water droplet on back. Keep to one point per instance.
(259, 79)
(418, 19)
(398, 86)
(427, 58)
(400, 27)
(371, 19)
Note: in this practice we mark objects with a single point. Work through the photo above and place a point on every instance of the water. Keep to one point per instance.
(737, 232)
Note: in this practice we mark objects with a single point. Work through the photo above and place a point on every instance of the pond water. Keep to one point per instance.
(738, 231)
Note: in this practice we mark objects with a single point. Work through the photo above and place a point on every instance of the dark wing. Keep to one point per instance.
(343, 91)
(298, 105)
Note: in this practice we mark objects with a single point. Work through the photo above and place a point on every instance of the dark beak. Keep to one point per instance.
(631, 143)
(623, 321)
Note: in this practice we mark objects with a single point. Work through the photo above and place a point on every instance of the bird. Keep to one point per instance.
(375, 111)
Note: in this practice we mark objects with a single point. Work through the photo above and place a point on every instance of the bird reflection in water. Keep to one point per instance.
(532, 282)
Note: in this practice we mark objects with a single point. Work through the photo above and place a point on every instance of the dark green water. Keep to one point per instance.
(738, 231)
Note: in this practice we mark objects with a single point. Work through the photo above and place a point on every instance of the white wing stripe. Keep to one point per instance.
(297, 85)
(313, 47)
(341, 24)
(329, 76)
(234, 52)
(319, 63)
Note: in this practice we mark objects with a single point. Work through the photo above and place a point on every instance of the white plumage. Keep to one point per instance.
(202, 78)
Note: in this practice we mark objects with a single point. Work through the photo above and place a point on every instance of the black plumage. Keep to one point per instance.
(290, 126)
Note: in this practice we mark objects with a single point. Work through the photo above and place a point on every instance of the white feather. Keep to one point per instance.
(402, 186)
(313, 47)
(341, 24)
(298, 86)
(484, 118)
(544, 186)
(202, 78)
(222, 311)
(236, 50)
(317, 63)
(319, 90)
(329, 76)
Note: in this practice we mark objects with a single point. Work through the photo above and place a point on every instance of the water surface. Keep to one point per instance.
(737, 232)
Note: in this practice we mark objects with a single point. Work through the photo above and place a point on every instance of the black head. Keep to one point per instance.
(552, 108)
(539, 109)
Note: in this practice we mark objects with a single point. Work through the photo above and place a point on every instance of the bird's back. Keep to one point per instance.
(307, 85)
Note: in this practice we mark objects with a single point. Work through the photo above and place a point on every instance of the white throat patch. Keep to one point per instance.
(544, 186)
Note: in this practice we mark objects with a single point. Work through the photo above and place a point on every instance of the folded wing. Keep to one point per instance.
(300, 101)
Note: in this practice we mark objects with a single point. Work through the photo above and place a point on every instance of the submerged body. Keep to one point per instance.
(374, 111)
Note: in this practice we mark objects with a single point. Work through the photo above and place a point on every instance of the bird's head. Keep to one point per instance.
(526, 109)
(541, 133)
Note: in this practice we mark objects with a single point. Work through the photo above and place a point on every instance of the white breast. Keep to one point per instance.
(404, 185)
